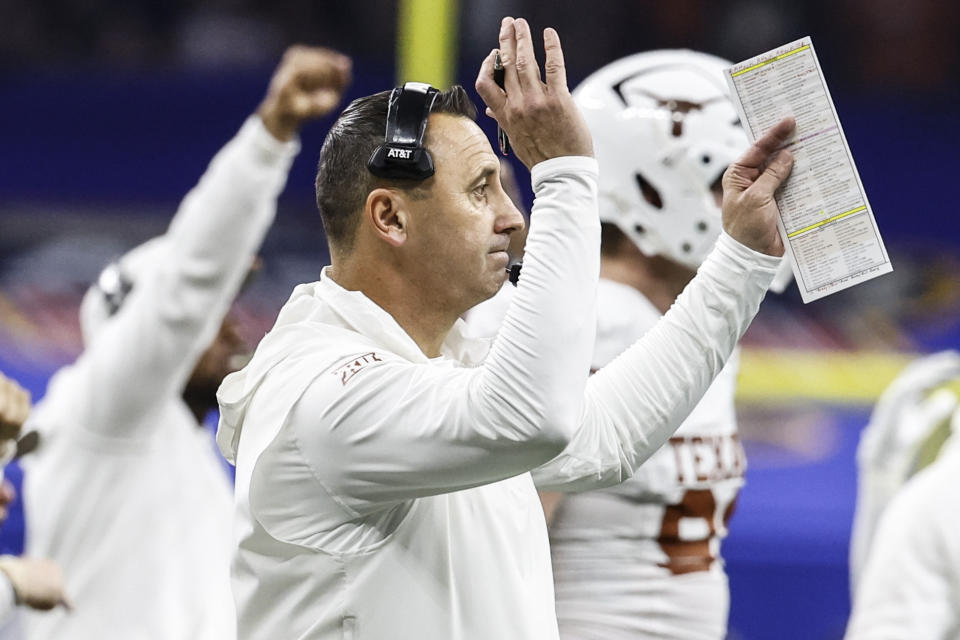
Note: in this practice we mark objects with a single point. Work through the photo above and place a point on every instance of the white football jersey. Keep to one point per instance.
(642, 558)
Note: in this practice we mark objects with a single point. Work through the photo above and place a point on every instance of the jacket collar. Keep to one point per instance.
(357, 312)
(316, 316)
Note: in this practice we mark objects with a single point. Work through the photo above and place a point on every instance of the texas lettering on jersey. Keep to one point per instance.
(708, 458)
(712, 467)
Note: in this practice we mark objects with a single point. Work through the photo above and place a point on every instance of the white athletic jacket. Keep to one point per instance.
(126, 491)
(383, 494)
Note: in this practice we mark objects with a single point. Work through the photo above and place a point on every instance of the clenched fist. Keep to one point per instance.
(307, 84)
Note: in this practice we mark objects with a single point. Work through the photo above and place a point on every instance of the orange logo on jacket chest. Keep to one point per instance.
(353, 367)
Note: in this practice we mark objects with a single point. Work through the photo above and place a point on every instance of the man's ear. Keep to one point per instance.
(387, 212)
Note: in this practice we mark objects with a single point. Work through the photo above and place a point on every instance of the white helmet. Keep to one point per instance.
(664, 131)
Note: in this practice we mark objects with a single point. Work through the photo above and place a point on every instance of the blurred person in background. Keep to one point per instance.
(642, 559)
(125, 489)
(905, 544)
(384, 485)
(34, 582)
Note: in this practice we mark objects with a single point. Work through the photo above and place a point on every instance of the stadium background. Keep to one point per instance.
(110, 110)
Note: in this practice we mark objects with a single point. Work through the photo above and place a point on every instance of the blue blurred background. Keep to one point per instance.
(110, 110)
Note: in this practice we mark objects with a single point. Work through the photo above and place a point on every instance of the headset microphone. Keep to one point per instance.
(402, 155)
(513, 272)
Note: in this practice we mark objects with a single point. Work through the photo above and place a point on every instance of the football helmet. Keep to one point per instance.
(664, 131)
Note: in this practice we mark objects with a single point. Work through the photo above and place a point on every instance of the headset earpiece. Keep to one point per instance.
(402, 156)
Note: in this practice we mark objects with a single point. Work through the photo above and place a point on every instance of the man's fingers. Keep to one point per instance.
(556, 70)
(320, 102)
(756, 156)
(306, 69)
(777, 135)
(334, 69)
(528, 71)
(342, 72)
(321, 70)
(508, 55)
(775, 173)
(317, 59)
(489, 92)
(309, 83)
(325, 101)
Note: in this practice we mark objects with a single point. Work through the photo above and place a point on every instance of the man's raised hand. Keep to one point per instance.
(540, 117)
(307, 84)
(749, 210)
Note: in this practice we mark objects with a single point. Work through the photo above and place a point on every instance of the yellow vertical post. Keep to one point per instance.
(427, 42)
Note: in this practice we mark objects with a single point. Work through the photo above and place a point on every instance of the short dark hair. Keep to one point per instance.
(343, 180)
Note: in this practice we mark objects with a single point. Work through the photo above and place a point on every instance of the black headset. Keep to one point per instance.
(402, 155)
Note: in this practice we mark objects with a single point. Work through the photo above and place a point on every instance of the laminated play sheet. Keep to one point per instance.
(825, 217)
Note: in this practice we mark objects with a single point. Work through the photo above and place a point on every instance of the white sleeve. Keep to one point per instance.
(635, 403)
(148, 349)
(399, 430)
(908, 587)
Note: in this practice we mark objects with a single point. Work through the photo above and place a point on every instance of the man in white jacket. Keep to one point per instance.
(125, 490)
(384, 485)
